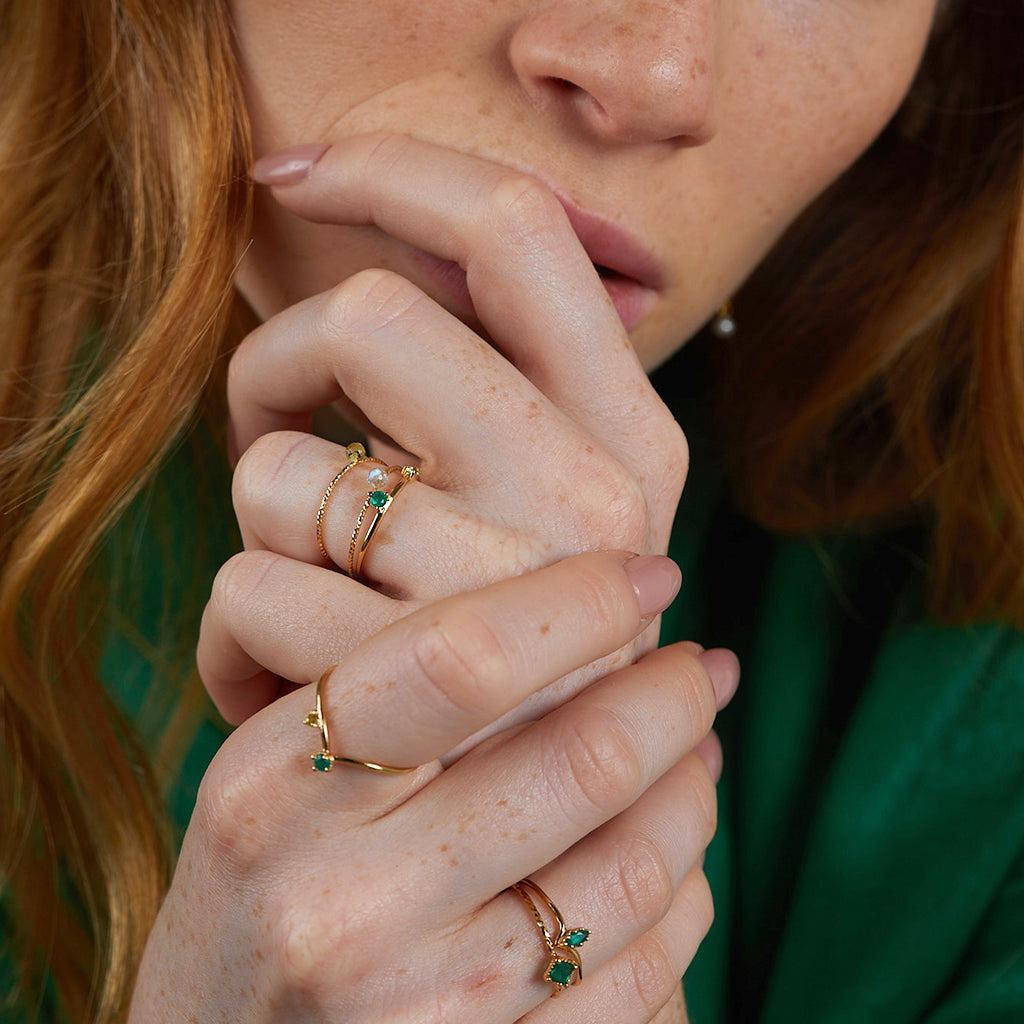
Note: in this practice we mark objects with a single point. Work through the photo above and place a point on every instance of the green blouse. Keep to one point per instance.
(869, 862)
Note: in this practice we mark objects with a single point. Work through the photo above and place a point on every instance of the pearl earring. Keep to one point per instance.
(723, 325)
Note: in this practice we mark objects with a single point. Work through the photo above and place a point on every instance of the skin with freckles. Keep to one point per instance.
(500, 643)
(705, 127)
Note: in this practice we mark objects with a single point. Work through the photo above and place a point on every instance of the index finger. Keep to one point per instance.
(435, 677)
(532, 283)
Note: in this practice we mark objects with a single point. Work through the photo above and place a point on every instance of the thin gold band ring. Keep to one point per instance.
(380, 501)
(323, 759)
(356, 456)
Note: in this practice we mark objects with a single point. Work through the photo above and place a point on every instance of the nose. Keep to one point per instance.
(634, 71)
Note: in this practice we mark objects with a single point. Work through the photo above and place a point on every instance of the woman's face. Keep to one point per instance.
(702, 126)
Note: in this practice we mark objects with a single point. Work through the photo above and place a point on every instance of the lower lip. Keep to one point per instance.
(632, 300)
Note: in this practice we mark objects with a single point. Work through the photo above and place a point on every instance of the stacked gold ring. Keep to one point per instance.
(377, 498)
(380, 501)
(323, 759)
(563, 966)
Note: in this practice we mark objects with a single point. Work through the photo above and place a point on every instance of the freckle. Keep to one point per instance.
(454, 861)
(371, 687)
(533, 410)
(546, 628)
(258, 954)
(423, 860)
(589, 449)
(511, 942)
(401, 971)
(503, 803)
(623, 29)
(503, 835)
(480, 980)
(443, 847)
(522, 837)
(250, 820)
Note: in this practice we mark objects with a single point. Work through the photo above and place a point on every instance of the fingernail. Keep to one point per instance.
(287, 166)
(656, 580)
(723, 667)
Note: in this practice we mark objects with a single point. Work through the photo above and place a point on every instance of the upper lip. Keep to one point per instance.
(607, 243)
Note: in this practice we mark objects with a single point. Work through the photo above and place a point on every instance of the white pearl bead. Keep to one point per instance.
(724, 326)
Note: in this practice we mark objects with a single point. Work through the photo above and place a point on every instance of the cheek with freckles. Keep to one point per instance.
(796, 89)
(816, 82)
(805, 87)
(307, 64)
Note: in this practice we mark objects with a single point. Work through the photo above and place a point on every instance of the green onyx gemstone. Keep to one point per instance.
(577, 937)
(322, 762)
(378, 499)
(561, 972)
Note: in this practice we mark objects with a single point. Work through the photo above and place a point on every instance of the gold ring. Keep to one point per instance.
(563, 966)
(380, 501)
(323, 759)
(356, 455)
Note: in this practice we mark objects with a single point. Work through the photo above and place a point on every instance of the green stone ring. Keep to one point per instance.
(563, 966)
(322, 760)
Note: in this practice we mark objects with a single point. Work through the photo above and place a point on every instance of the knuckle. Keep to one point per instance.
(643, 885)
(598, 760)
(228, 813)
(650, 973)
(307, 941)
(705, 803)
(696, 691)
(239, 579)
(676, 457)
(612, 506)
(699, 902)
(524, 207)
(243, 363)
(462, 660)
(260, 464)
(367, 301)
(605, 598)
(387, 150)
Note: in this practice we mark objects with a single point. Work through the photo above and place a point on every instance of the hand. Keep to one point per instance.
(355, 897)
(547, 441)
